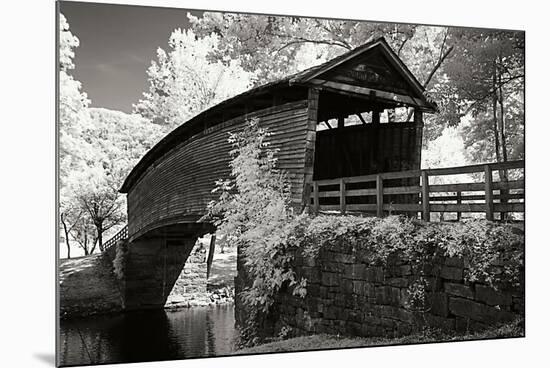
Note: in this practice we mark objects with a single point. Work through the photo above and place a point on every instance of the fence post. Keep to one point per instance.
(458, 201)
(489, 193)
(342, 196)
(315, 197)
(379, 196)
(425, 197)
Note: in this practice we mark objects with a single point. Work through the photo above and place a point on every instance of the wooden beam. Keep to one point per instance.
(342, 196)
(425, 196)
(418, 116)
(312, 106)
(375, 116)
(210, 258)
(361, 118)
(327, 124)
(489, 193)
(315, 197)
(379, 196)
(395, 98)
(341, 121)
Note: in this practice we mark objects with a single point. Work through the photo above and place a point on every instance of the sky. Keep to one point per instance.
(117, 45)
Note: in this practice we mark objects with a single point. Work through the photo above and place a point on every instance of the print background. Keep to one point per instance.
(28, 182)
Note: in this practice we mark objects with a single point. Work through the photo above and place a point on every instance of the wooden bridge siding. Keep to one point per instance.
(179, 184)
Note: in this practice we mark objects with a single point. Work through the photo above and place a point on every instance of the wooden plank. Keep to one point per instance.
(360, 192)
(460, 187)
(379, 94)
(362, 207)
(513, 184)
(509, 207)
(329, 181)
(361, 118)
(479, 197)
(328, 193)
(405, 207)
(463, 207)
(488, 193)
(425, 197)
(379, 196)
(342, 196)
(477, 168)
(403, 190)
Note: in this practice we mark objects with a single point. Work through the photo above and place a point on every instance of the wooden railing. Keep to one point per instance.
(121, 235)
(367, 193)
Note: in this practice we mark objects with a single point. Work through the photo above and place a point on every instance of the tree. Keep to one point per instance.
(70, 216)
(98, 147)
(73, 120)
(486, 79)
(274, 46)
(100, 199)
(184, 81)
(119, 141)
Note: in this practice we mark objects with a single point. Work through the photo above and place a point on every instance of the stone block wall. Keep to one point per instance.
(347, 296)
(190, 287)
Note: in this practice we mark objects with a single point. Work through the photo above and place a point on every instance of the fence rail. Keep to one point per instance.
(121, 235)
(373, 193)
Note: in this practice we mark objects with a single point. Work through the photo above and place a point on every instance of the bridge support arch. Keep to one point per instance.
(154, 262)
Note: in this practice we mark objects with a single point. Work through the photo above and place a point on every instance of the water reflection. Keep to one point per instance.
(148, 335)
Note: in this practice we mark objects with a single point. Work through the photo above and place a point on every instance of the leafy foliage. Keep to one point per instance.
(253, 211)
(119, 263)
(184, 82)
(483, 244)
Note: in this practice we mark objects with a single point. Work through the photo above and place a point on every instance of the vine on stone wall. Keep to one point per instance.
(119, 263)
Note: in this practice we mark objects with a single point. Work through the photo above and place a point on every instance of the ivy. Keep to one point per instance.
(493, 252)
(254, 211)
(119, 263)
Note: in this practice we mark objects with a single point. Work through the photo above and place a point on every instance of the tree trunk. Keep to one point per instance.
(504, 174)
(502, 120)
(66, 237)
(99, 227)
(495, 123)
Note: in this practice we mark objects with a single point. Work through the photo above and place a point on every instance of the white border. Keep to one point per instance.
(27, 182)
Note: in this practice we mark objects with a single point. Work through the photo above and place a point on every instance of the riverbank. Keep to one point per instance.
(88, 285)
(324, 342)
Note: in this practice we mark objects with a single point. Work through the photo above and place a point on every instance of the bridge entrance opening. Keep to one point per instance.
(358, 136)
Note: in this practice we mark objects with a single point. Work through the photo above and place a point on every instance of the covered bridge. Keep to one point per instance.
(325, 121)
(333, 137)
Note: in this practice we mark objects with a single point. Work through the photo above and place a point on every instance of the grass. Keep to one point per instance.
(323, 341)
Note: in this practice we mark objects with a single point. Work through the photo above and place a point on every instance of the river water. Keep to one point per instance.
(148, 335)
